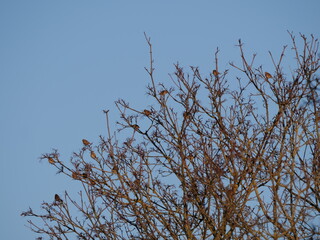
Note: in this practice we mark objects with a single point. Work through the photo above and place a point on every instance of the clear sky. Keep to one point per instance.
(62, 62)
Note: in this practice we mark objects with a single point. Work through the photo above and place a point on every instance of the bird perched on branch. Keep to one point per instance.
(93, 155)
(85, 142)
(268, 75)
(57, 198)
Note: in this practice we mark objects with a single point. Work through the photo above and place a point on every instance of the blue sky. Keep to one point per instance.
(63, 62)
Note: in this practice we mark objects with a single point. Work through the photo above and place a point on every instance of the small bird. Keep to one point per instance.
(186, 115)
(135, 127)
(147, 112)
(268, 75)
(51, 160)
(93, 155)
(85, 142)
(163, 92)
(75, 176)
(57, 198)
(215, 72)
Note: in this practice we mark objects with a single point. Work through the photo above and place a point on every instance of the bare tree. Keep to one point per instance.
(210, 158)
